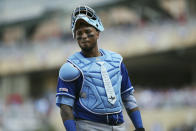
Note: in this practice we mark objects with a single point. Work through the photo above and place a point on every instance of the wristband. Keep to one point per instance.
(136, 119)
(70, 125)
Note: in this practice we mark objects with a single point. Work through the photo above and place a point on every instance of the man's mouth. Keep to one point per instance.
(84, 42)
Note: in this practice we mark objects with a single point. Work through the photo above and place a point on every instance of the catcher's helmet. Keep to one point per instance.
(87, 14)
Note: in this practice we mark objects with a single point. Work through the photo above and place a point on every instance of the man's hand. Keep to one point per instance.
(140, 129)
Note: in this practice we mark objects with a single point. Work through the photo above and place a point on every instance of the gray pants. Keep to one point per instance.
(84, 125)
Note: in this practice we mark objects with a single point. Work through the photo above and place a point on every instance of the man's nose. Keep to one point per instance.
(84, 36)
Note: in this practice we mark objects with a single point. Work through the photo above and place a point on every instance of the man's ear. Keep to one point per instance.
(97, 34)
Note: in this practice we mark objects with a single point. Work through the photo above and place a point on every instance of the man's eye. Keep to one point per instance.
(79, 34)
(87, 31)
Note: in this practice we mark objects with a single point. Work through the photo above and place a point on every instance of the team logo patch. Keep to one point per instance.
(63, 89)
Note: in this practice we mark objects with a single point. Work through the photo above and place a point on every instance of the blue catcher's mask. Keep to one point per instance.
(87, 14)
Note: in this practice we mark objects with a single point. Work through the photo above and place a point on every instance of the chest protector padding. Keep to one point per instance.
(92, 94)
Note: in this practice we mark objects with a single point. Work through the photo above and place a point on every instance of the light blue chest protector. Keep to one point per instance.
(93, 95)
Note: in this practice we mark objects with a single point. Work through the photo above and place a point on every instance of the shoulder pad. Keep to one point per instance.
(68, 72)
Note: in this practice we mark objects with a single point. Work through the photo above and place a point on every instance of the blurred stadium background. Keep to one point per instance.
(157, 39)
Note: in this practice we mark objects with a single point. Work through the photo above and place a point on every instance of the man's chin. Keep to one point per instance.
(86, 49)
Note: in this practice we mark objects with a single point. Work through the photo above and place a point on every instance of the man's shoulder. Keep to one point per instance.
(68, 72)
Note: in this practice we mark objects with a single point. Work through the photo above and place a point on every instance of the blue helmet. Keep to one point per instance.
(87, 14)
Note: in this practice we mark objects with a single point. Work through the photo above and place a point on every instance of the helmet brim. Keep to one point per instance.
(82, 18)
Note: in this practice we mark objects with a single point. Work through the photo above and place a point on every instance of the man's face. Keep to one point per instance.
(86, 36)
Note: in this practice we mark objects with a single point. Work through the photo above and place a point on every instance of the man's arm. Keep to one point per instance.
(129, 100)
(136, 119)
(67, 117)
(133, 110)
(66, 94)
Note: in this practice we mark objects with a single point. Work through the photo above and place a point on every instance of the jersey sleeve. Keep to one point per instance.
(67, 92)
(126, 85)
(63, 99)
(127, 90)
(68, 75)
(66, 88)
